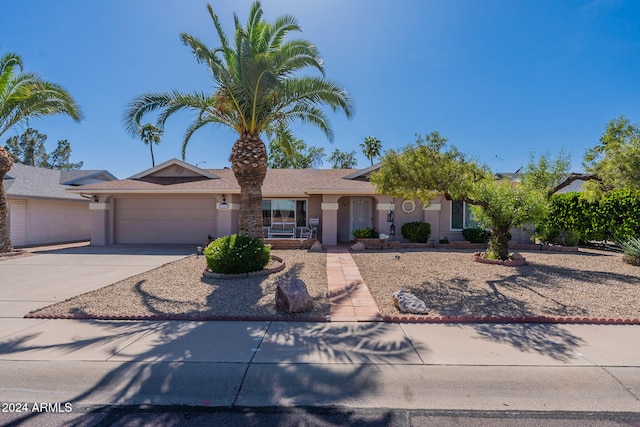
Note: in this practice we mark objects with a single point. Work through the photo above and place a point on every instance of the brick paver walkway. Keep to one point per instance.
(349, 296)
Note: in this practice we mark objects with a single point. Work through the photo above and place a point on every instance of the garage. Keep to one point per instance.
(164, 220)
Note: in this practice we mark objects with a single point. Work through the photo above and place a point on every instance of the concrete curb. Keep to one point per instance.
(386, 319)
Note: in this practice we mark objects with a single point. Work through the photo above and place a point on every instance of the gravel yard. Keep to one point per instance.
(584, 284)
(180, 289)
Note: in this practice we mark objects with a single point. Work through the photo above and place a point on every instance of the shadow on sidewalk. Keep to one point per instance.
(175, 367)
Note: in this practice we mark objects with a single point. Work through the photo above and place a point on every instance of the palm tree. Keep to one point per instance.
(371, 148)
(25, 96)
(255, 90)
(151, 134)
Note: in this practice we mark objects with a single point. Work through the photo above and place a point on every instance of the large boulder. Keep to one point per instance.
(358, 247)
(316, 247)
(409, 303)
(292, 296)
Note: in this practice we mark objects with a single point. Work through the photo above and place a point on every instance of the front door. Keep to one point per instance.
(360, 213)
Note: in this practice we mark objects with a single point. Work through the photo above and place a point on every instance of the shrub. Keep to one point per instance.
(364, 233)
(631, 250)
(416, 232)
(237, 254)
(556, 236)
(615, 216)
(476, 235)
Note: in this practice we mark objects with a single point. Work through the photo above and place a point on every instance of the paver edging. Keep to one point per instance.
(327, 318)
(511, 319)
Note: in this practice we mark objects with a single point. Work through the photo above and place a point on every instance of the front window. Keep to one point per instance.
(461, 216)
(282, 210)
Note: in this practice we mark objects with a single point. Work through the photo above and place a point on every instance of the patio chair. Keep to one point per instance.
(308, 232)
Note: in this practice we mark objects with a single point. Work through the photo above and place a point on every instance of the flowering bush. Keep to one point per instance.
(237, 254)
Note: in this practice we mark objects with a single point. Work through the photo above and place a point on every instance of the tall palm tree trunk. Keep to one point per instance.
(6, 162)
(153, 161)
(249, 165)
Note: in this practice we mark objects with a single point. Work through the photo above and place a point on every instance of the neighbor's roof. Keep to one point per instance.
(24, 181)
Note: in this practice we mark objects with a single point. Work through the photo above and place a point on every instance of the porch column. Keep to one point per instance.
(224, 226)
(99, 223)
(329, 223)
(383, 226)
(432, 216)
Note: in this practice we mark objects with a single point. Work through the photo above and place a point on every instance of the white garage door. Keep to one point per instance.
(157, 220)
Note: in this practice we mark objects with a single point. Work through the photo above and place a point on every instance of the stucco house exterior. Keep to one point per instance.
(41, 211)
(176, 202)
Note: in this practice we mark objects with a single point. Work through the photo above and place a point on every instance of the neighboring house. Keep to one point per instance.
(41, 211)
(176, 202)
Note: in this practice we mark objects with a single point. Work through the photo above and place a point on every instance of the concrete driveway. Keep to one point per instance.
(46, 277)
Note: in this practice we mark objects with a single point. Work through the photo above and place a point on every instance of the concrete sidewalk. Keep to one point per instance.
(359, 365)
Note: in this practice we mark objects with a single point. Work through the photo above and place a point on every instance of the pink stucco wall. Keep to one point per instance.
(52, 221)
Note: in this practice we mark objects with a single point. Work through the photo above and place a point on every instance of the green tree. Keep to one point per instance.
(59, 158)
(256, 88)
(24, 96)
(371, 147)
(431, 167)
(343, 160)
(615, 161)
(150, 134)
(298, 156)
(29, 149)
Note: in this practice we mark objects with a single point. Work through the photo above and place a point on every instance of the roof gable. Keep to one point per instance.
(84, 177)
(174, 168)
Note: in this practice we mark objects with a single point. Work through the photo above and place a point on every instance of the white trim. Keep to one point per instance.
(410, 209)
(329, 206)
(99, 206)
(230, 207)
(433, 207)
(386, 207)
(342, 191)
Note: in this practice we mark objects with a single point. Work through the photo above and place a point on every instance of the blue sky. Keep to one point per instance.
(500, 79)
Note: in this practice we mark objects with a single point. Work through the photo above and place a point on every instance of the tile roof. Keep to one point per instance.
(30, 181)
(278, 182)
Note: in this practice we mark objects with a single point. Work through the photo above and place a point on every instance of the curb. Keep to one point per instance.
(385, 319)
(186, 317)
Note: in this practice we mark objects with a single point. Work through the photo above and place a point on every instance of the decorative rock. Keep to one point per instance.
(409, 303)
(316, 247)
(292, 296)
(358, 247)
(516, 256)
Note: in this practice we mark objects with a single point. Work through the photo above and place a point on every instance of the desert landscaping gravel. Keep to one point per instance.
(179, 289)
(589, 283)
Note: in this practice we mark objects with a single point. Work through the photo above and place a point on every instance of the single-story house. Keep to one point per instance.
(41, 211)
(176, 202)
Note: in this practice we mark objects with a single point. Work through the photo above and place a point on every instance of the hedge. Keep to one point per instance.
(616, 216)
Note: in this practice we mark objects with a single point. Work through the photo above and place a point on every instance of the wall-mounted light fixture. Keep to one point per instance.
(224, 204)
